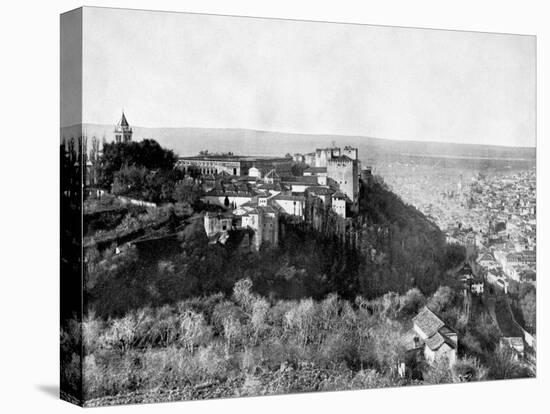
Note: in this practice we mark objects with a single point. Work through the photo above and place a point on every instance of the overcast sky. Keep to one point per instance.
(178, 70)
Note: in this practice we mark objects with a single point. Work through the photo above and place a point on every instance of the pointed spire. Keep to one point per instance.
(123, 121)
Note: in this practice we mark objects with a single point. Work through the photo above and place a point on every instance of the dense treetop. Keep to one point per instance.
(147, 154)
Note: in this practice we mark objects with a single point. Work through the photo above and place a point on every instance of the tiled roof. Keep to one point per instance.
(232, 157)
(316, 170)
(434, 328)
(435, 341)
(428, 322)
(343, 158)
(288, 197)
(320, 190)
(274, 186)
(446, 331)
(307, 179)
(220, 215)
(220, 193)
(267, 209)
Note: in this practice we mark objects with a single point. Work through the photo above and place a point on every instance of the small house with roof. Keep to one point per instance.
(430, 335)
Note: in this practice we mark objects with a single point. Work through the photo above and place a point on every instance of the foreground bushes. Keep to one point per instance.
(258, 347)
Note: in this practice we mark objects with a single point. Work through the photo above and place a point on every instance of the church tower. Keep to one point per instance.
(123, 131)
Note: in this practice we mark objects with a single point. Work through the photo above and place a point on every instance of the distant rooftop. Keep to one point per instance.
(341, 158)
(303, 179)
(231, 157)
(316, 170)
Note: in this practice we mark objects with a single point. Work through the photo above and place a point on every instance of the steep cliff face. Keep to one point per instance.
(400, 248)
(380, 206)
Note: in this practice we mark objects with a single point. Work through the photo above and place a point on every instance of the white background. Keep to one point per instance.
(29, 135)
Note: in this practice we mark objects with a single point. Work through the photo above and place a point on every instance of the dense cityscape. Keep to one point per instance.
(491, 210)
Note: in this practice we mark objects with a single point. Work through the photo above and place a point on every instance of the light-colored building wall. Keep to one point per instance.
(293, 207)
(265, 225)
(321, 177)
(323, 155)
(478, 288)
(254, 172)
(299, 188)
(346, 174)
(309, 159)
(442, 353)
(211, 166)
(351, 152)
(339, 206)
(215, 223)
(270, 231)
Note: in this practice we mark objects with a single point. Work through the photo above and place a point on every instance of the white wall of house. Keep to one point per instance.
(443, 352)
(299, 188)
(477, 288)
(214, 225)
(339, 207)
(254, 172)
(294, 207)
(322, 179)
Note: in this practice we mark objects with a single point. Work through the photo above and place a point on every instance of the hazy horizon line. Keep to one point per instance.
(313, 134)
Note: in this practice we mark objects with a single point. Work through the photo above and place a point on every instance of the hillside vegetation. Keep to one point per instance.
(245, 344)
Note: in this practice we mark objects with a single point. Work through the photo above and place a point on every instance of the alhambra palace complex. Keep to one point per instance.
(255, 191)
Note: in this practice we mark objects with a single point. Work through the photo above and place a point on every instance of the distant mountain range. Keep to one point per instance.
(189, 141)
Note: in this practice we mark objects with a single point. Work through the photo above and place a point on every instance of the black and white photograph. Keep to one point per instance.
(272, 206)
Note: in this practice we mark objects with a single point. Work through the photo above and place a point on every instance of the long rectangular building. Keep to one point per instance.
(232, 164)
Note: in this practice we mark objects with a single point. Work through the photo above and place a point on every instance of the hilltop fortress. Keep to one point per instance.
(255, 191)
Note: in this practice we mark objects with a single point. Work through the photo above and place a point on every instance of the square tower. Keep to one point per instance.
(123, 131)
(344, 171)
